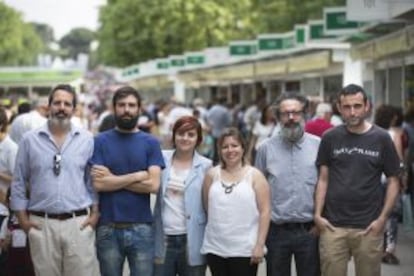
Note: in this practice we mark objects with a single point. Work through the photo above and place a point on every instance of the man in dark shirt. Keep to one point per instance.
(350, 206)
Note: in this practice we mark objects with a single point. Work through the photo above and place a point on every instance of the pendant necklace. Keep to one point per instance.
(228, 188)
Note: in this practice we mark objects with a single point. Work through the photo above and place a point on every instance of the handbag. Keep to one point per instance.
(408, 219)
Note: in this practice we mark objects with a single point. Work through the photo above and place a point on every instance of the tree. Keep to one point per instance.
(45, 32)
(77, 41)
(274, 16)
(130, 32)
(20, 44)
(133, 31)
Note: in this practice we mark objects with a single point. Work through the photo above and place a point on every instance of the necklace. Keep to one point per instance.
(228, 188)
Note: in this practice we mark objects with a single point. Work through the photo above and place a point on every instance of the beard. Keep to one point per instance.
(126, 123)
(292, 131)
(60, 120)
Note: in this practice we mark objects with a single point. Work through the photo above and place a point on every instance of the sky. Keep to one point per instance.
(61, 15)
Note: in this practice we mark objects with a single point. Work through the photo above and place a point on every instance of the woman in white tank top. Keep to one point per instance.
(237, 199)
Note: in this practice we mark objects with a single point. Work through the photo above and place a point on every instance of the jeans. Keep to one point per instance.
(292, 239)
(134, 242)
(175, 261)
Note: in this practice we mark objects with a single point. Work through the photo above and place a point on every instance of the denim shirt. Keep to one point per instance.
(194, 211)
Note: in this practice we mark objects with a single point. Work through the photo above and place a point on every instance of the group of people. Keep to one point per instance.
(84, 201)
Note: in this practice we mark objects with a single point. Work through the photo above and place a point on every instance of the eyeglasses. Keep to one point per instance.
(56, 163)
(287, 114)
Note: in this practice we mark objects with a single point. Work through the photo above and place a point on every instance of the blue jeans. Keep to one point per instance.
(292, 239)
(175, 261)
(134, 242)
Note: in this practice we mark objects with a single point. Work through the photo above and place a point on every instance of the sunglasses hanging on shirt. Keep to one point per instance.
(57, 163)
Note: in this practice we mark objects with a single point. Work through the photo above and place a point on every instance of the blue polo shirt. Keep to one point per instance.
(124, 153)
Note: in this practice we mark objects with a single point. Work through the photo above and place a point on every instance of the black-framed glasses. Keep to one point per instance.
(287, 114)
(57, 159)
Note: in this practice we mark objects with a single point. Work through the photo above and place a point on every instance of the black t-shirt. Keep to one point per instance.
(355, 163)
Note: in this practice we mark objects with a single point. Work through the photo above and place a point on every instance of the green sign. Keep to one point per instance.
(195, 59)
(163, 65)
(272, 42)
(316, 30)
(177, 62)
(300, 35)
(335, 21)
(266, 44)
(130, 71)
(243, 49)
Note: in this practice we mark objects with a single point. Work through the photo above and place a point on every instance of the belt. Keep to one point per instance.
(61, 216)
(121, 225)
(294, 225)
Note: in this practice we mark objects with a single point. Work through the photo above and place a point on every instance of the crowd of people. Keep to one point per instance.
(233, 187)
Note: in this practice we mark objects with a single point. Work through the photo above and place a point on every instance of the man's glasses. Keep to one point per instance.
(287, 114)
(57, 163)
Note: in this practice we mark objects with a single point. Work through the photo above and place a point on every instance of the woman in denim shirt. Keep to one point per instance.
(180, 219)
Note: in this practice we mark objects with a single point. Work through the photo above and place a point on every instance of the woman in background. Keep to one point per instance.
(390, 118)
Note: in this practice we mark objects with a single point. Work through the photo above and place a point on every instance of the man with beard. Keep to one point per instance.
(126, 169)
(350, 206)
(288, 161)
(52, 194)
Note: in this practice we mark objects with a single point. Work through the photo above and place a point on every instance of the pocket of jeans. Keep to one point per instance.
(103, 232)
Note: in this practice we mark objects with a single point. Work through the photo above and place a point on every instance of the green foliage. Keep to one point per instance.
(45, 32)
(138, 30)
(133, 31)
(19, 44)
(77, 41)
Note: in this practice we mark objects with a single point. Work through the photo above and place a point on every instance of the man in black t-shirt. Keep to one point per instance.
(350, 206)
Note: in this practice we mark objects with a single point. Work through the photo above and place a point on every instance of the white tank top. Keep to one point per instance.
(233, 217)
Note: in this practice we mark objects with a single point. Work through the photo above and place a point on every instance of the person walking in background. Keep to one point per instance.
(51, 192)
(236, 197)
(218, 118)
(30, 120)
(8, 152)
(321, 122)
(262, 130)
(350, 207)
(126, 168)
(180, 219)
(390, 119)
(288, 162)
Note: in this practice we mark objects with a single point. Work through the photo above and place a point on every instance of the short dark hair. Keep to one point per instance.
(186, 123)
(384, 116)
(66, 87)
(124, 92)
(291, 96)
(4, 120)
(235, 133)
(352, 89)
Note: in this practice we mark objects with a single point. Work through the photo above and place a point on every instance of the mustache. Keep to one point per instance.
(60, 113)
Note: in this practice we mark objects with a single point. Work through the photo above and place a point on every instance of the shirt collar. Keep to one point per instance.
(44, 130)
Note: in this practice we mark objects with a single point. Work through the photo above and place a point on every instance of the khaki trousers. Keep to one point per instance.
(61, 248)
(337, 247)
